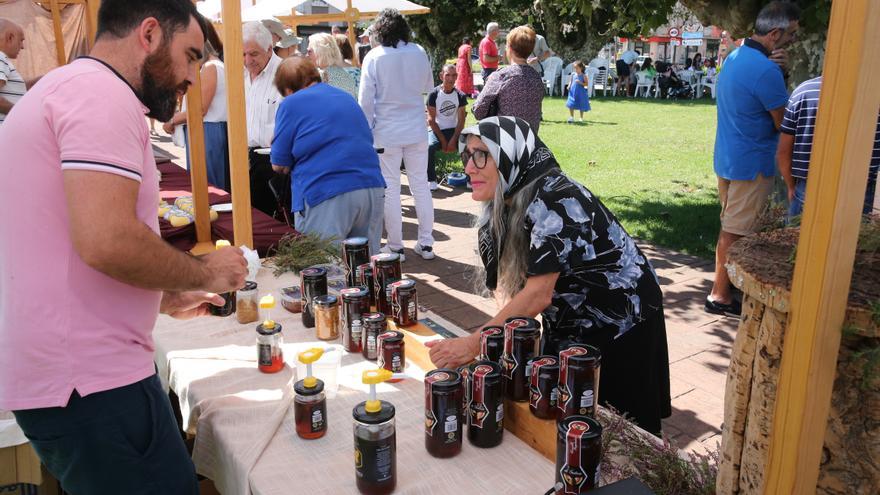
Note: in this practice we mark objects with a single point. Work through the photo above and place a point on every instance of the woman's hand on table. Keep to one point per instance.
(451, 353)
(187, 305)
(168, 127)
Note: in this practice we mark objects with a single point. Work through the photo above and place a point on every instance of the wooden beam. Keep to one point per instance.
(60, 52)
(92, 7)
(198, 172)
(239, 167)
(842, 146)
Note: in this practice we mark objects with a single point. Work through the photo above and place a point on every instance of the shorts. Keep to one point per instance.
(622, 68)
(742, 202)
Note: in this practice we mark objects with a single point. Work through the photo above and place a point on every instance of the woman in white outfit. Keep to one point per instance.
(395, 76)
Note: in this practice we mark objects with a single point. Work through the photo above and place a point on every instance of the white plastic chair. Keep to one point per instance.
(711, 85)
(592, 75)
(644, 82)
(566, 75)
(552, 67)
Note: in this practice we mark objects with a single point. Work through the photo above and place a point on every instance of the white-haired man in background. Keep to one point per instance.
(261, 101)
(488, 52)
(12, 85)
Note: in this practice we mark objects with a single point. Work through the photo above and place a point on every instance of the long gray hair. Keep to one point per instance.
(507, 221)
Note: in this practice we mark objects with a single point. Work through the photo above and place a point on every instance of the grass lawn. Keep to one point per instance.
(650, 161)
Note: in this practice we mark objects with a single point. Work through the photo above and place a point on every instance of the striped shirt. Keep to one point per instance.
(800, 122)
(261, 101)
(15, 87)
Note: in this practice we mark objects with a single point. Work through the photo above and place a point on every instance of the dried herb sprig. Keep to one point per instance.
(297, 251)
(658, 463)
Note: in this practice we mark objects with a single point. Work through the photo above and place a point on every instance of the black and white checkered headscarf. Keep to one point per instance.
(521, 158)
(518, 153)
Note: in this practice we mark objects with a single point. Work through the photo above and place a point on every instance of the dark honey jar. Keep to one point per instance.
(522, 337)
(543, 375)
(486, 411)
(579, 367)
(443, 413)
(578, 455)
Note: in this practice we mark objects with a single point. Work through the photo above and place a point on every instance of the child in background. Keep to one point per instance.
(578, 96)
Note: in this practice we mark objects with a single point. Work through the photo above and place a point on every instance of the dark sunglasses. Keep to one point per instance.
(479, 157)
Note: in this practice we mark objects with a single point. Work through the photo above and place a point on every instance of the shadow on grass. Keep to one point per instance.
(685, 222)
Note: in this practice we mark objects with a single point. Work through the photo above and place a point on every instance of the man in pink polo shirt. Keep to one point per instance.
(488, 51)
(83, 271)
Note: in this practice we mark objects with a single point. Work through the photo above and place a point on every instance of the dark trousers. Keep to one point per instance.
(486, 73)
(261, 173)
(123, 440)
(433, 149)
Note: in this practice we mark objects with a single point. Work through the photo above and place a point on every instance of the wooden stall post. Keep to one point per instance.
(92, 7)
(60, 52)
(826, 251)
(198, 168)
(238, 145)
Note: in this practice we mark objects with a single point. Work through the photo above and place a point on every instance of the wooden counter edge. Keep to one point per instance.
(538, 433)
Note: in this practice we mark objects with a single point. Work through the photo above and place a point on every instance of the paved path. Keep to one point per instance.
(699, 343)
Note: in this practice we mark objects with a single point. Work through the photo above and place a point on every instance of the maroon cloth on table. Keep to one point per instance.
(176, 182)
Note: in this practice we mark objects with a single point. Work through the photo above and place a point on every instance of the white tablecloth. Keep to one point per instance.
(246, 440)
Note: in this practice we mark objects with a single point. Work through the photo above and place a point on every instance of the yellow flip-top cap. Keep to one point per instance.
(373, 406)
(373, 377)
(309, 356)
(221, 244)
(267, 302)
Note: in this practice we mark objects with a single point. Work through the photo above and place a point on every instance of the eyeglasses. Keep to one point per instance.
(479, 157)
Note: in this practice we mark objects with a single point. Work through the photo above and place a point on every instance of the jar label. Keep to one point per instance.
(374, 459)
(264, 354)
(318, 414)
(572, 472)
(451, 424)
(478, 408)
(484, 340)
(587, 398)
(564, 389)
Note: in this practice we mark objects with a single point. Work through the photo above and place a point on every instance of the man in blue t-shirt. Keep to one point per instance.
(796, 146)
(751, 103)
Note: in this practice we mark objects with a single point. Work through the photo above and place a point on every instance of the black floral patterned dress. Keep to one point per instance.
(607, 295)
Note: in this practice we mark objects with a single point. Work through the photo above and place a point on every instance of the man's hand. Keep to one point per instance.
(531, 60)
(188, 305)
(450, 147)
(168, 127)
(451, 353)
(443, 143)
(779, 56)
(791, 190)
(226, 268)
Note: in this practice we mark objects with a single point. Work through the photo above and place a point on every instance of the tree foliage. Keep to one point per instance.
(574, 28)
(738, 18)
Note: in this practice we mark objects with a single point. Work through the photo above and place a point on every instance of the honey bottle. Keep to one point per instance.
(310, 404)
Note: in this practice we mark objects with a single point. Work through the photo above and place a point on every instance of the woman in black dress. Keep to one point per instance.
(550, 247)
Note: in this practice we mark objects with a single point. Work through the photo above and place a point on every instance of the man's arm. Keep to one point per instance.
(367, 93)
(30, 82)
(432, 123)
(5, 105)
(777, 114)
(783, 161)
(453, 141)
(109, 237)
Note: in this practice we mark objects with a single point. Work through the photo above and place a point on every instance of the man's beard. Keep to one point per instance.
(158, 90)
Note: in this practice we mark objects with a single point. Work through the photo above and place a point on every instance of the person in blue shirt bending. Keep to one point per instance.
(322, 138)
(751, 103)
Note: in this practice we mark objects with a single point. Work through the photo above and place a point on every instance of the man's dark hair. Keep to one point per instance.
(117, 18)
(390, 28)
(776, 15)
